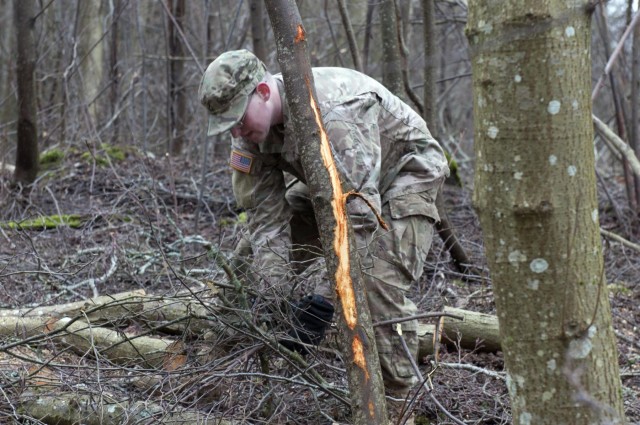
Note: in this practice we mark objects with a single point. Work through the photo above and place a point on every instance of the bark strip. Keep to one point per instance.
(325, 186)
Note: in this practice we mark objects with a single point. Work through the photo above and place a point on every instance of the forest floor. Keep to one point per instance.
(135, 226)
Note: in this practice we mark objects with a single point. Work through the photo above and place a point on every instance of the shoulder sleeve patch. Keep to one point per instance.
(241, 161)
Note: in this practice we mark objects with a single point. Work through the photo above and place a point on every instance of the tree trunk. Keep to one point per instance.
(368, 34)
(177, 90)
(431, 60)
(536, 199)
(616, 90)
(634, 140)
(8, 107)
(113, 71)
(91, 51)
(445, 229)
(391, 60)
(258, 33)
(351, 37)
(354, 321)
(27, 138)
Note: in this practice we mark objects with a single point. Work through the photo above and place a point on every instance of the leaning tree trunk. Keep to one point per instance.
(329, 204)
(27, 150)
(536, 200)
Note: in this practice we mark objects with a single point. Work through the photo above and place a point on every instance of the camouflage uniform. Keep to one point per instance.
(385, 152)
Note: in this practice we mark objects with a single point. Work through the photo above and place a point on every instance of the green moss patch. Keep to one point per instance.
(51, 157)
(42, 223)
(105, 154)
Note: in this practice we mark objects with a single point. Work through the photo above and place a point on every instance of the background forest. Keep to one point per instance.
(116, 297)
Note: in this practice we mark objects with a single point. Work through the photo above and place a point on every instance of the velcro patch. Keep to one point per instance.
(241, 161)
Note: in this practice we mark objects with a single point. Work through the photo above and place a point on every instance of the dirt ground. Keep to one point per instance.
(139, 229)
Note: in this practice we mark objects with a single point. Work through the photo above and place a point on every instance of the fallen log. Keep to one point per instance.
(476, 331)
(107, 305)
(172, 314)
(85, 338)
(180, 313)
(69, 409)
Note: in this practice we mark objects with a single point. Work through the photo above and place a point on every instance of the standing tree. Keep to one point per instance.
(329, 204)
(89, 37)
(431, 58)
(391, 59)
(114, 72)
(258, 32)
(535, 195)
(635, 102)
(351, 37)
(178, 95)
(27, 149)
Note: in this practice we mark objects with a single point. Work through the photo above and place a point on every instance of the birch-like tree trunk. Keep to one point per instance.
(329, 203)
(536, 199)
(27, 138)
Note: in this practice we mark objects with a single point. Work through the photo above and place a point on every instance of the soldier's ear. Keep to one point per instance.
(263, 90)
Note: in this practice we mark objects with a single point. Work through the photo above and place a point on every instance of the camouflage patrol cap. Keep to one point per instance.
(226, 86)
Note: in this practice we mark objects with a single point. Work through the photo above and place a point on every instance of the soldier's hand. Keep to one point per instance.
(311, 318)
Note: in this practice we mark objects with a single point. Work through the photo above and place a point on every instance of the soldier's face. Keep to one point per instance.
(256, 123)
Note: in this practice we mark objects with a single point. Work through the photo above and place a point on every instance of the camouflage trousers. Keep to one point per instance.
(391, 261)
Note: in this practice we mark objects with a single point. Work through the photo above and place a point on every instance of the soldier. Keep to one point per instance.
(383, 150)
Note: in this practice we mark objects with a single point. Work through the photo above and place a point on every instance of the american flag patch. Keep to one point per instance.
(241, 162)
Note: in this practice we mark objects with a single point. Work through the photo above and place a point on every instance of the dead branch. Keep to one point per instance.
(619, 144)
(617, 238)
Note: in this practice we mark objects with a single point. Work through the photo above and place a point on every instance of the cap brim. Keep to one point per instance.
(226, 120)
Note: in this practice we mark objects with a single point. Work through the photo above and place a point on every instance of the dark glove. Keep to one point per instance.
(311, 318)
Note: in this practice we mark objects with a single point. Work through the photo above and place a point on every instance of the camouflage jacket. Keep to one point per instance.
(382, 147)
